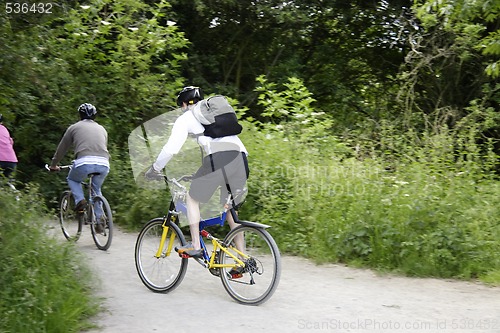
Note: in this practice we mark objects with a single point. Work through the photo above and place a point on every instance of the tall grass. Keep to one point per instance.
(44, 285)
(412, 218)
(420, 201)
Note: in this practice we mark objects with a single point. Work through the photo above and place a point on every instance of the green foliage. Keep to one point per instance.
(290, 103)
(345, 52)
(418, 219)
(142, 205)
(280, 154)
(123, 56)
(476, 21)
(43, 282)
(426, 210)
(291, 111)
(419, 223)
(128, 49)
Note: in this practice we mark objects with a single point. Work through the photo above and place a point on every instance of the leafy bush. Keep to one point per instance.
(421, 210)
(414, 219)
(43, 282)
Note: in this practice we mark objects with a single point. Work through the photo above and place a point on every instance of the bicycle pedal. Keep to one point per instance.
(236, 276)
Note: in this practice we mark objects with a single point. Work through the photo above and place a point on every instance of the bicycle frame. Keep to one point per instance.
(218, 245)
(90, 195)
(178, 206)
(86, 184)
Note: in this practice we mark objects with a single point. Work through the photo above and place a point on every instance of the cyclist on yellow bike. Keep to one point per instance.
(225, 164)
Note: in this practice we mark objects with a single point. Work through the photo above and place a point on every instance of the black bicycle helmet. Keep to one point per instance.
(189, 95)
(87, 111)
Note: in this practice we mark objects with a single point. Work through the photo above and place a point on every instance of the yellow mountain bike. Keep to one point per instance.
(250, 272)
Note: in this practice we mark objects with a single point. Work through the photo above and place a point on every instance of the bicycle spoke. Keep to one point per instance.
(70, 221)
(101, 222)
(256, 282)
(160, 271)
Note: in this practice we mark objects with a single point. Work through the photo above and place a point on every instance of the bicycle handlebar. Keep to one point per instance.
(177, 183)
(185, 178)
(69, 166)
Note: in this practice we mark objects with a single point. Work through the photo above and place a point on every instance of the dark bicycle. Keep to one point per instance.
(72, 221)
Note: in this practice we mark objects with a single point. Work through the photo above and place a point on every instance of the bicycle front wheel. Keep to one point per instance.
(159, 267)
(257, 281)
(71, 222)
(101, 226)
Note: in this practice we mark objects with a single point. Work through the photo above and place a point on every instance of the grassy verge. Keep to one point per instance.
(42, 285)
(415, 219)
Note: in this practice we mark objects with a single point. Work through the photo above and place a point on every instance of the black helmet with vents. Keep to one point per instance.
(189, 95)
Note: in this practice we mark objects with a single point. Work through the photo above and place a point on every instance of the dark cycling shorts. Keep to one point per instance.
(224, 169)
(7, 168)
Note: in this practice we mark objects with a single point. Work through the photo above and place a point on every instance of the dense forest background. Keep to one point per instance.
(373, 126)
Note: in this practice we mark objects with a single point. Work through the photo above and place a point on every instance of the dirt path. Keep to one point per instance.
(310, 298)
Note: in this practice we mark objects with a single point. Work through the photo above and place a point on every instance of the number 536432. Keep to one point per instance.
(28, 8)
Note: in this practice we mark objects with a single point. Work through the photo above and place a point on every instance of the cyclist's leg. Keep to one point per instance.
(239, 241)
(75, 178)
(237, 172)
(193, 215)
(97, 181)
(204, 184)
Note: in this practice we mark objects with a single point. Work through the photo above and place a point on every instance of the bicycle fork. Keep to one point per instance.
(163, 239)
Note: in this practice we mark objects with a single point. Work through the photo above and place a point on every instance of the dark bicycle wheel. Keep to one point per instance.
(102, 227)
(160, 269)
(71, 222)
(256, 282)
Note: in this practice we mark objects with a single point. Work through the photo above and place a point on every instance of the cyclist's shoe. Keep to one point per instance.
(189, 251)
(80, 206)
(237, 272)
(250, 266)
(99, 227)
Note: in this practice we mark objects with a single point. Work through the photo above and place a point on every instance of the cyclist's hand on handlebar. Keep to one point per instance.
(54, 168)
(152, 174)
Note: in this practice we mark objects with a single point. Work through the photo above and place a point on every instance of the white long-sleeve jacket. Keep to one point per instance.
(187, 124)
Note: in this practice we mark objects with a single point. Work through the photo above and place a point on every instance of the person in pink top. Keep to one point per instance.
(8, 158)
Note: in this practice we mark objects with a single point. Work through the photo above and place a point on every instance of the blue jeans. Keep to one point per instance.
(77, 175)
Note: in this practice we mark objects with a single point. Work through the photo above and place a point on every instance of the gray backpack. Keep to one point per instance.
(217, 116)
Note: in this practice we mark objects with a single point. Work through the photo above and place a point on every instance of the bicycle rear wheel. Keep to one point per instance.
(102, 230)
(71, 222)
(161, 270)
(261, 274)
